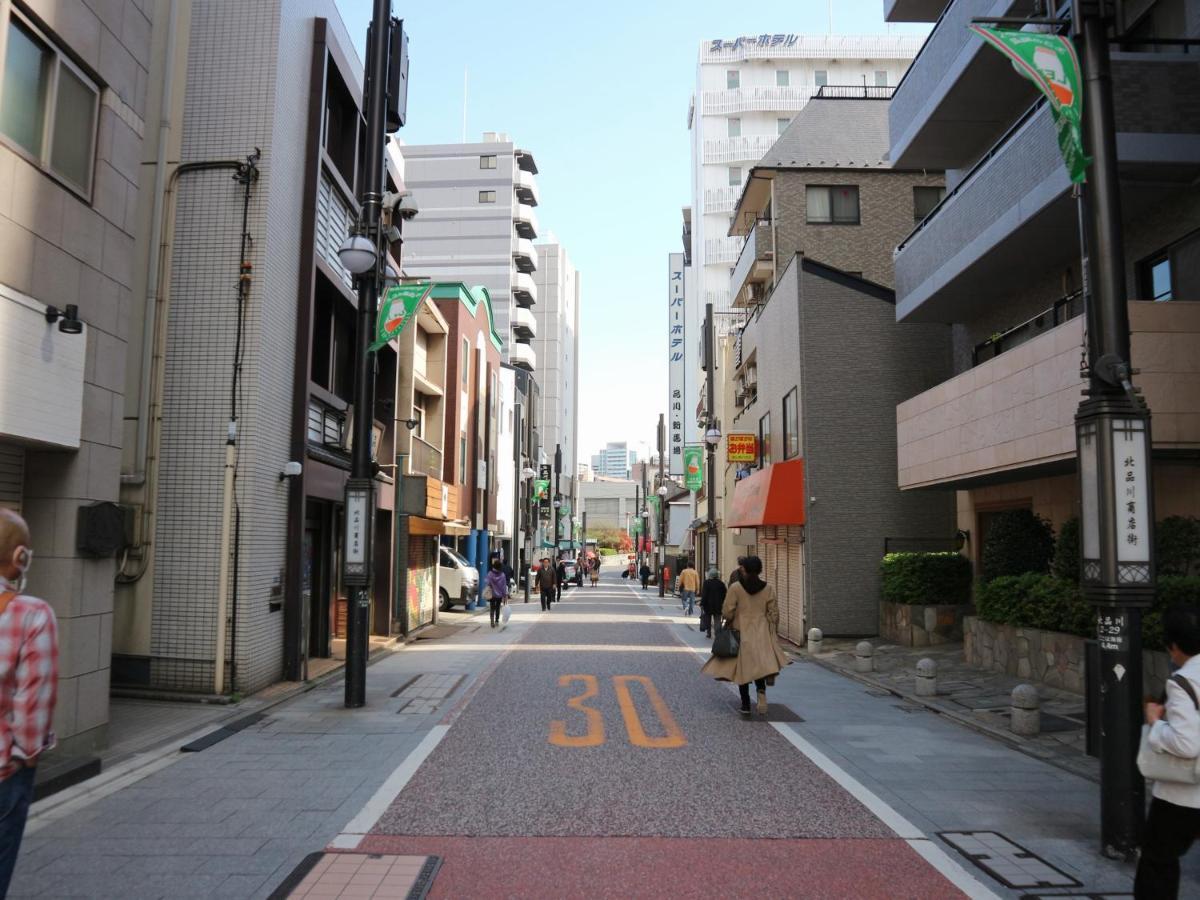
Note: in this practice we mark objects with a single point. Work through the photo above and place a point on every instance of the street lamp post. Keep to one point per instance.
(527, 475)
(557, 497)
(662, 493)
(712, 436)
(363, 255)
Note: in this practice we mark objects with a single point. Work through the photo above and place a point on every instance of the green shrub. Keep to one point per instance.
(1035, 600)
(1018, 541)
(1066, 552)
(917, 578)
(1177, 544)
(607, 551)
(1173, 590)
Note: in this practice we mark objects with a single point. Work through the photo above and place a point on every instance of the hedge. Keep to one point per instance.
(920, 578)
(1035, 600)
(1018, 541)
(1173, 590)
(607, 551)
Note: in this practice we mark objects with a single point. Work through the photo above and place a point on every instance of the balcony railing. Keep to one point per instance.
(721, 200)
(855, 92)
(424, 459)
(747, 148)
(1063, 310)
(755, 99)
(759, 247)
(722, 251)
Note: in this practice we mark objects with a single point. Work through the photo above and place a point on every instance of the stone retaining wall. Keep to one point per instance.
(920, 626)
(1049, 657)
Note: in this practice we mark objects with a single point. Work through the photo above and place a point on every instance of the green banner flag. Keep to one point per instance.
(396, 308)
(636, 525)
(693, 468)
(1049, 61)
(541, 488)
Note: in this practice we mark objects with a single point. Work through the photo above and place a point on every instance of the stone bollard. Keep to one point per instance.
(815, 638)
(864, 657)
(927, 678)
(1026, 710)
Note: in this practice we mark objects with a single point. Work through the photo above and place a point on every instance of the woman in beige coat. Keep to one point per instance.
(750, 607)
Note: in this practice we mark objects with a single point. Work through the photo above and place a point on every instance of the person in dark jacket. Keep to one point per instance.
(560, 574)
(735, 577)
(546, 582)
(712, 598)
(645, 575)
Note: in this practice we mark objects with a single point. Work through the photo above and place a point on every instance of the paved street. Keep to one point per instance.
(579, 753)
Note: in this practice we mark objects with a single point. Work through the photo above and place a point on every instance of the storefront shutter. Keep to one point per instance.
(793, 600)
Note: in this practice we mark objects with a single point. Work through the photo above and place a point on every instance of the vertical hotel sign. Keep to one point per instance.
(676, 371)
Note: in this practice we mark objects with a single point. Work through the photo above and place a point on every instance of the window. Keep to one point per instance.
(924, 200)
(880, 78)
(487, 162)
(735, 176)
(781, 124)
(1173, 272)
(462, 458)
(791, 425)
(782, 78)
(48, 108)
(466, 363)
(734, 127)
(764, 440)
(820, 77)
(1158, 277)
(733, 79)
(832, 205)
(487, 196)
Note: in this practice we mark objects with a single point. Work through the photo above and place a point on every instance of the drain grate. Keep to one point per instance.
(228, 730)
(1008, 862)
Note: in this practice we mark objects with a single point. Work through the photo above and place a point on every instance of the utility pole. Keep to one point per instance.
(1115, 472)
(360, 487)
(638, 524)
(557, 498)
(662, 505)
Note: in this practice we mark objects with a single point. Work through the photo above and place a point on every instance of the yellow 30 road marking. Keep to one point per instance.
(594, 736)
(673, 736)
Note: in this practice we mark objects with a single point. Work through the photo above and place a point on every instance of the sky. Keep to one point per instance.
(598, 93)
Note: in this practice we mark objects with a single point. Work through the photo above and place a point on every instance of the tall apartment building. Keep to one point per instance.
(557, 346)
(614, 461)
(999, 258)
(74, 82)
(477, 226)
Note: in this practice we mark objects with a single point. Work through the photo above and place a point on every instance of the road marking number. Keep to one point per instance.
(671, 737)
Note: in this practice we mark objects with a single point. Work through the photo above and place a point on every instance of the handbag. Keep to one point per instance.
(726, 643)
(487, 592)
(1160, 766)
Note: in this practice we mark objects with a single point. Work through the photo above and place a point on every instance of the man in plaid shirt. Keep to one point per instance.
(28, 687)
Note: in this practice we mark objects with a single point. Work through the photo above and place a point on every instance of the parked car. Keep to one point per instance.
(459, 582)
(571, 573)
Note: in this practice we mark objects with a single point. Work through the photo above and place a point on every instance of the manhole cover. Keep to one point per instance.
(1009, 863)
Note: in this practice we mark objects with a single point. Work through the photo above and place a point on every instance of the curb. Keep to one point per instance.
(1004, 737)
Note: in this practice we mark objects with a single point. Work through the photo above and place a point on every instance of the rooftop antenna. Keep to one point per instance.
(464, 133)
(831, 16)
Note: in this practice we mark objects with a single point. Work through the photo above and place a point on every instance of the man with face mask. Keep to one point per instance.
(28, 686)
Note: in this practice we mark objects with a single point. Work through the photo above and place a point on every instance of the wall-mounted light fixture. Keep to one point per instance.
(291, 469)
(67, 319)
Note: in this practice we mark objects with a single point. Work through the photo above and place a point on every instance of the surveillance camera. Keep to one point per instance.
(407, 207)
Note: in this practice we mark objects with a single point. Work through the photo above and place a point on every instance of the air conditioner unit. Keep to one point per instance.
(751, 378)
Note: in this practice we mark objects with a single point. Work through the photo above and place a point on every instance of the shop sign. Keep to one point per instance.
(741, 447)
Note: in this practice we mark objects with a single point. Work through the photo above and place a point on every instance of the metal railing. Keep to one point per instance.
(424, 459)
(854, 92)
(738, 149)
(970, 174)
(1064, 309)
(754, 99)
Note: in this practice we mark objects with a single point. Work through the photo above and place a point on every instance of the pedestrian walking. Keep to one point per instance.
(560, 572)
(645, 575)
(595, 573)
(1174, 819)
(712, 598)
(689, 584)
(736, 575)
(546, 582)
(28, 687)
(495, 590)
(751, 610)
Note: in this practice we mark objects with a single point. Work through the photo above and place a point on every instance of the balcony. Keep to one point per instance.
(1011, 213)
(912, 10)
(721, 200)
(748, 148)
(525, 161)
(1012, 417)
(424, 459)
(524, 289)
(959, 94)
(525, 186)
(524, 255)
(755, 266)
(522, 356)
(722, 251)
(754, 99)
(524, 323)
(525, 221)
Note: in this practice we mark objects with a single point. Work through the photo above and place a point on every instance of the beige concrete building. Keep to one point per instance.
(998, 258)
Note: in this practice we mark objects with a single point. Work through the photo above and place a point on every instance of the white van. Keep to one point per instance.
(458, 579)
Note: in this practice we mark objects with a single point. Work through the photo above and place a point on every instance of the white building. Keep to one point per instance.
(557, 348)
(613, 461)
(477, 225)
(747, 90)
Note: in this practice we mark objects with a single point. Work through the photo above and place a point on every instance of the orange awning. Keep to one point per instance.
(773, 496)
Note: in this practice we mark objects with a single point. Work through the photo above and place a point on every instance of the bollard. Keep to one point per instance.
(1026, 710)
(815, 638)
(927, 678)
(864, 657)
